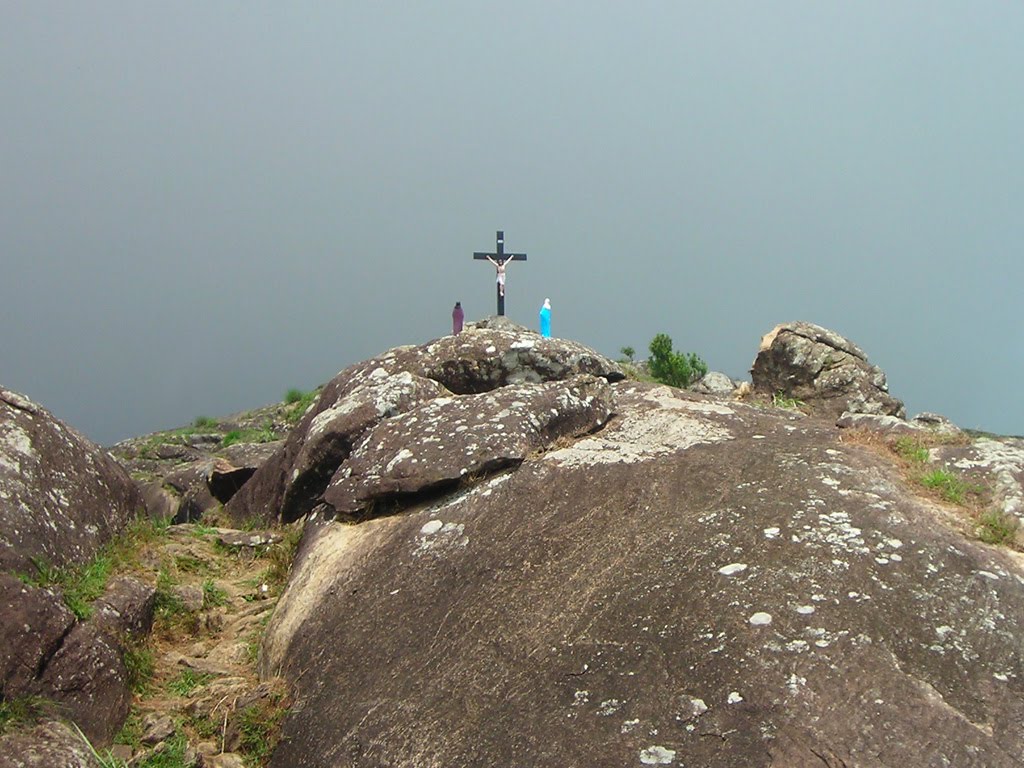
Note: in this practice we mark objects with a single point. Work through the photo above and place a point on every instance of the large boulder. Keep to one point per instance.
(828, 373)
(479, 360)
(701, 582)
(61, 496)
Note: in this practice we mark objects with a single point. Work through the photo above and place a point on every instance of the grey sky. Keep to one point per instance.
(206, 204)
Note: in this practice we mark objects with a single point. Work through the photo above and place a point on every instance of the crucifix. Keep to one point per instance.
(499, 260)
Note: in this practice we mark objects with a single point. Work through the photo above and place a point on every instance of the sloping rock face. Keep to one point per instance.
(998, 464)
(61, 496)
(824, 370)
(420, 383)
(700, 583)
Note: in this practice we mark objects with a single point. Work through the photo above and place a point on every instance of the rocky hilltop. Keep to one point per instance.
(514, 554)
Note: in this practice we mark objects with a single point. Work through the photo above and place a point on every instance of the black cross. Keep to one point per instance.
(502, 258)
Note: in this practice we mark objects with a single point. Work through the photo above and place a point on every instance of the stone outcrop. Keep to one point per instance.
(479, 360)
(48, 745)
(61, 496)
(714, 383)
(828, 373)
(700, 582)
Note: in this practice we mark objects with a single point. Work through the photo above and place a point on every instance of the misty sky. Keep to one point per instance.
(205, 204)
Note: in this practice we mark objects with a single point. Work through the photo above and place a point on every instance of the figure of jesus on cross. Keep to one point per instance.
(500, 260)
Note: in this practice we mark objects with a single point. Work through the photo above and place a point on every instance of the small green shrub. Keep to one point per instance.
(996, 527)
(204, 422)
(628, 353)
(676, 369)
(293, 396)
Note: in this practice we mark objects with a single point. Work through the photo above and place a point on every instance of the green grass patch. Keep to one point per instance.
(950, 487)
(779, 400)
(259, 727)
(81, 584)
(140, 663)
(188, 681)
(204, 422)
(995, 527)
(171, 756)
(298, 403)
(21, 712)
(912, 449)
(213, 595)
(264, 434)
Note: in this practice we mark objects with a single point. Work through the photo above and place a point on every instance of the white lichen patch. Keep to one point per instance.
(733, 698)
(609, 707)
(642, 435)
(438, 540)
(432, 527)
(732, 569)
(628, 726)
(772, 533)
(657, 755)
(805, 610)
(760, 619)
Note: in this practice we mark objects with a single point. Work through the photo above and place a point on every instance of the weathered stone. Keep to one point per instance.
(575, 610)
(61, 496)
(191, 596)
(936, 423)
(126, 607)
(822, 369)
(156, 727)
(226, 760)
(47, 745)
(890, 425)
(714, 383)
(162, 503)
(998, 465)
(226, 479)
(290, 485)
(33, 626)
(88, 680)
(249, 539)
(447, 439)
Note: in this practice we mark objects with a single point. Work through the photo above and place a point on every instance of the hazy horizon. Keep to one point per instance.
(205, 205)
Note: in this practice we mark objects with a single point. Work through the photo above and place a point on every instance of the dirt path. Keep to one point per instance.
(216, 590)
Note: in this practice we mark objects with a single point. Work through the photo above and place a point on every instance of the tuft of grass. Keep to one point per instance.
(264, 434)
(259, 727)
(298, 403)
(950, 487)
(995, 527)
(188, 681)
(213, 595)
(81, 584)
(779, 400)
(204, 422)
(22, 711)
(912, 449)
(171, 756)
(280, 557)
(141, 665)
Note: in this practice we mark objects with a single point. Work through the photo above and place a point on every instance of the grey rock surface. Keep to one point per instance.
(61, 496)
(699, 583)
(479, 360)
(827, 372)
(714, 383)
